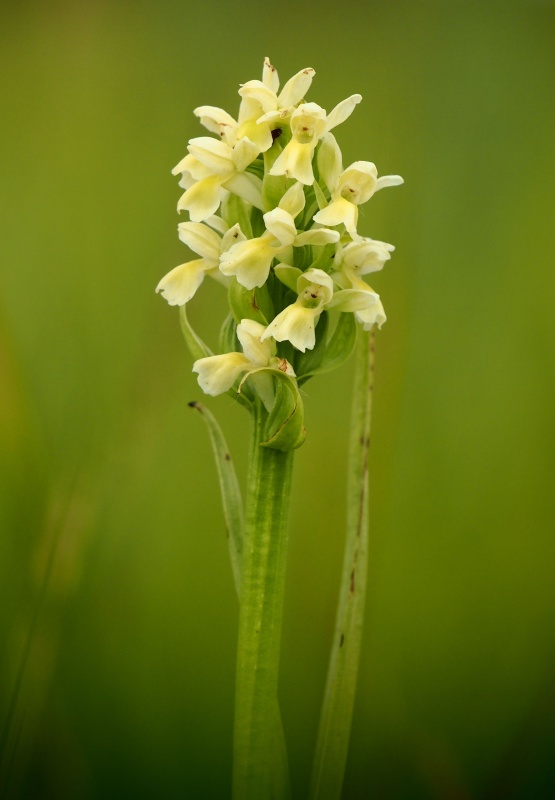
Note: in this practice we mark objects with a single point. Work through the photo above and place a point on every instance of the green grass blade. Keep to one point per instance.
(337, 708)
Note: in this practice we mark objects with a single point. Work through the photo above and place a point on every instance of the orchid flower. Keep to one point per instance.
(315, 292)
(349, 188)
(212, 166)
(180, 285)
(217, 374)
(309, 123)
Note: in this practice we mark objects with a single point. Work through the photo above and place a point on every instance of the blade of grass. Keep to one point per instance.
(337, 708)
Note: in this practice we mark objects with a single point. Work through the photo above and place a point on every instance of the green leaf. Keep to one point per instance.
(337, 350)
(235, 210)
(337, 708)
(228, 336)
(250, 303)
(230, 491)
(197, 348)
(285, 427)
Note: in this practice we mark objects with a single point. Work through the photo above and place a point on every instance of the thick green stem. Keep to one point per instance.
(260, 616)
(337, 708)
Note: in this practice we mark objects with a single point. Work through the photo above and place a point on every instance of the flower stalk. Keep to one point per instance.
(260, 616)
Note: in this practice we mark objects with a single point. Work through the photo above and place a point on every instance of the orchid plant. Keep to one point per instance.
(273, 217)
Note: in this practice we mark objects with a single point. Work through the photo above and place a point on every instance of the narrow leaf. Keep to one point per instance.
(230, 491)
(337, 708)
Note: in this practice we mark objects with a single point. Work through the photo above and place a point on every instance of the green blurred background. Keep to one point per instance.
(115, 586)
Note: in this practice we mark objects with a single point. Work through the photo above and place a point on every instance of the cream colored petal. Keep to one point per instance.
(296, 88)
(217, 374)
(216, 120)
(246, 186)
(358, 182)
(366, 256)
(293, 201)
(388, 180)
(249, 261)
(180, 285)
(216, 155)
(201, 239)
(330, 161)
(191, 170)
(281, 225)
(249, 109)
(375, 315)
(260, 135)
(217, 223)
(295, 161)
(316, 236)
(231, 237)
(342, 111)
(202, 199)
(256, 90)
(273, 118)
(336, 213)
(295, 324)
(244, 153)
(270, 77)
(257, 351)
(318, 277)
(353, 299)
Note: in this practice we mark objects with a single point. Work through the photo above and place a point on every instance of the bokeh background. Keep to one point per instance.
(118, 617)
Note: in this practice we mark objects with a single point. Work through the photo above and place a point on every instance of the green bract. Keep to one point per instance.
(273, 216)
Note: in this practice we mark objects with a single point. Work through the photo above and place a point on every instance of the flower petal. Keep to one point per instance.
(246, 186)
(281, 225)
(250, 261)
(179, 285)
(256, 90)
(339, 212)
(295, 324)
(375, 315)
(295, 161)
(244, 153)
(201, 239)
(231, 237)
(217, 374)
(330, 161)
(353, 299)
(270, 77)
(388, 180)
(216, 155)
(296, 88)
(216, 120)
(293, 201)
(320, 278)
(202, 199)
(249, 333)
(342, 111)
(316, 236)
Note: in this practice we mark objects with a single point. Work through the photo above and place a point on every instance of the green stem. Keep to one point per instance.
(337, 708)
(260, 616)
